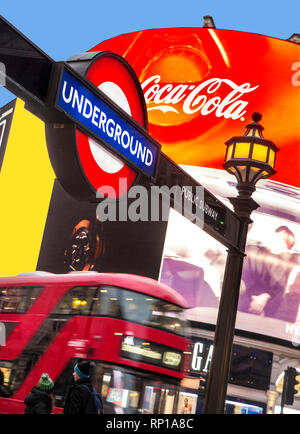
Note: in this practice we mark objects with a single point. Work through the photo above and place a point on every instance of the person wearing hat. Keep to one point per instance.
(40, 400)
(79, 393)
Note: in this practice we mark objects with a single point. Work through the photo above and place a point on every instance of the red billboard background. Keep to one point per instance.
(202, 85)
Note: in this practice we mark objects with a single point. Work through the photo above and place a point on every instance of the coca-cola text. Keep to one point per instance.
(196, 98)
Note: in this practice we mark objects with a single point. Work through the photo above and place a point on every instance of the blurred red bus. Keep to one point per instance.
(131, 327)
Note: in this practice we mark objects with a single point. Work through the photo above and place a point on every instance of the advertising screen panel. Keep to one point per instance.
(202, 85)
(76, 240)
(26, 183)
(193, 262)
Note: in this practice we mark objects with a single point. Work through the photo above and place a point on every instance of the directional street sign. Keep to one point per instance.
(27, 68)
(216, 219)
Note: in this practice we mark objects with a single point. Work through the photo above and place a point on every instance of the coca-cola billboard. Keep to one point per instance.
(201, 86)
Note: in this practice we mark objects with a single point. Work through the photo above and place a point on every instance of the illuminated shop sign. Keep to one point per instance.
(149, 352)
(201, 356)
(249, 367)
(98, 118)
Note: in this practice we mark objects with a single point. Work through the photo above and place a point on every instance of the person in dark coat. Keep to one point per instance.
(81, 390)
(40, 400)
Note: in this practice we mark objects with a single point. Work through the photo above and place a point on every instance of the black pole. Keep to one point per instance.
(224, 332)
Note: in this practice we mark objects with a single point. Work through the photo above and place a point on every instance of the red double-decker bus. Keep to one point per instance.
(131, 327)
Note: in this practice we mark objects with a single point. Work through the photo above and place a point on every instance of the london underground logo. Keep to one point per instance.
(99, 118)
(106, 161)
(112, 75)
(106, 140)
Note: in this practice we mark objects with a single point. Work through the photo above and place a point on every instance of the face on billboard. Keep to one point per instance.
(193, 262)
(201, 87)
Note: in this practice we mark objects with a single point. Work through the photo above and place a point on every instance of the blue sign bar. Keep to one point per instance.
(90, 111)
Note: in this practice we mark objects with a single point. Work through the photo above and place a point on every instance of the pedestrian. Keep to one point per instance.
(4, 393)
(40, 400)
(81, 397)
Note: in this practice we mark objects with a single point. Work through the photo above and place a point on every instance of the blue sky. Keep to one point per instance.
(62, 28)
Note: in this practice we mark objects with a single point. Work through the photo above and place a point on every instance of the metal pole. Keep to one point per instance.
(224, 332)
(283, 396)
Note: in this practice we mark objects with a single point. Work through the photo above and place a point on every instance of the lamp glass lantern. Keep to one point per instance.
(250, 157)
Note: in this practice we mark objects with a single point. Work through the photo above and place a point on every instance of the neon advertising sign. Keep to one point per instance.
(200, 84)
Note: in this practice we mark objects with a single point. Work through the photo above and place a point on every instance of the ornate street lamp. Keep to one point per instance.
(250, 158)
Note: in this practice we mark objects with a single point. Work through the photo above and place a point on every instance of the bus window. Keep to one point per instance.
(21, 367)
(77, 301)
(120, 388)
(17, 299)
(110, 302)
(152, 312)
(34, 349)
(106, 378)
(90, 300)
(129, 305)
(159, 398)
(45, 334)
(169, 317)
(5, 367)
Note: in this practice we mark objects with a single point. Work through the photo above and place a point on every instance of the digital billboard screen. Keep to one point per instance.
(202, 85)
(193, 262)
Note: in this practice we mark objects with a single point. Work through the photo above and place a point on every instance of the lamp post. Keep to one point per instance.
(249, 157)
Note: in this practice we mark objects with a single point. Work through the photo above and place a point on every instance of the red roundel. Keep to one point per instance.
(114, 77)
